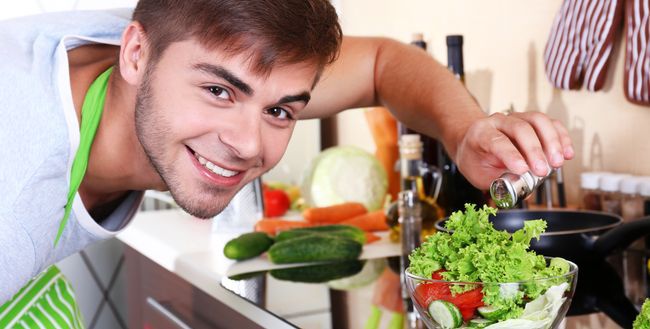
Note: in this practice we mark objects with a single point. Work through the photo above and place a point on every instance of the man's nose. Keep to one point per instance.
(243, 137)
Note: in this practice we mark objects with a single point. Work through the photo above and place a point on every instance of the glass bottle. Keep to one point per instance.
(644, 191)
(590, 190)
(410, 220)
(430, 145)
(413, 170)
(631, 199)
(455, 190)
(610, 198)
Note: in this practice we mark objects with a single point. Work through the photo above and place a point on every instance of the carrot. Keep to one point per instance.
(372, 221)
(334, 214)
(370, 237)
(272, 226)
(383, 127)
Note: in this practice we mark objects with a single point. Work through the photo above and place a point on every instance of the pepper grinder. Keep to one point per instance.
(510, 189)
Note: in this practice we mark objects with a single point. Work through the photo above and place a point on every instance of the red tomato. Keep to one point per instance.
(276, 203)
(425, 293)
(467, 313)
(469, 299)
(437, 275)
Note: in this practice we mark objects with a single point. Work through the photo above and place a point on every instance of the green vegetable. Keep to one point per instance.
(345, 173)
(643, 320)
(491, 312)
(476, 252)
(369, 274)
(539, 313)
(341, 231)
(247, 245)
(479, 323)
(446, 314)
(314, 248)
(319, 273)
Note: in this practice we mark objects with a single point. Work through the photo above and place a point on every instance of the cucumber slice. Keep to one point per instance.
(479, 323)
(446, 314)
(490, 312)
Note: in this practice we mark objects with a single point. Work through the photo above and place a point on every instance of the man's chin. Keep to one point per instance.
(202, 212)
(204, 208)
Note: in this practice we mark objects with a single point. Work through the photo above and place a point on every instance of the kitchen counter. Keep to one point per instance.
(183, 245)
(187, 248)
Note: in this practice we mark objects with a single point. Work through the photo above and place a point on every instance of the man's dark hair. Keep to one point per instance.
(272, 32)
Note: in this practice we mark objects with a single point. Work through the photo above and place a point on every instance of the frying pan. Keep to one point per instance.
(579, 236)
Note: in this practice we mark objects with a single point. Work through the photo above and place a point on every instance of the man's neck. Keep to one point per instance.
(117, 162)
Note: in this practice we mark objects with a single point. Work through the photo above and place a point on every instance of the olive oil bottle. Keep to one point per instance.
(413, 171)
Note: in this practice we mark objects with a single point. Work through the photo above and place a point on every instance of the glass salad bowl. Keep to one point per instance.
(534, 304)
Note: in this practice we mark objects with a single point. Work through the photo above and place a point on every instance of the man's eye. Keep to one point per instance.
(279, 113)
(219, 92)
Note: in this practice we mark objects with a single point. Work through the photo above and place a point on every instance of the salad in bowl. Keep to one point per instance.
(479, 277)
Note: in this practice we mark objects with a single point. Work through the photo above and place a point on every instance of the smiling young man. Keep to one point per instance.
(199, 98)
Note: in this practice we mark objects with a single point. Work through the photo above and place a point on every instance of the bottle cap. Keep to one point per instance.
(417, 37)
(611, 182)
(454, 40)
(410, 146)
(630, 185)
(591, 179)
(503, 193)
(644, 186)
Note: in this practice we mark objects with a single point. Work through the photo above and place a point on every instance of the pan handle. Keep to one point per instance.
(621, 236)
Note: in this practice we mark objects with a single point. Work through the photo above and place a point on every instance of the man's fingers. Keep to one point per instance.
(522, 133)
(565, 140)
(502, 148)
(547, 132)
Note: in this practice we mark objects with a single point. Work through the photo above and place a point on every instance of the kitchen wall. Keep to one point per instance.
(504, 45)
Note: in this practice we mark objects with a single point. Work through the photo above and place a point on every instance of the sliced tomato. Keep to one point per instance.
(437, 275)
(469, 299)
(425, 293)
(467, 313)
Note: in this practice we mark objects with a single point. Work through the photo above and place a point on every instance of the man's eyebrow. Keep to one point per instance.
(302, 97)
(223, 73)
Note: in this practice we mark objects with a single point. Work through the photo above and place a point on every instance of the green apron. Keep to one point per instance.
(47, 301)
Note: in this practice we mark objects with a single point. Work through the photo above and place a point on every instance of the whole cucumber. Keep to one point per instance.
(341, 231)
(319, 273)
(247, 245)
(314, 248)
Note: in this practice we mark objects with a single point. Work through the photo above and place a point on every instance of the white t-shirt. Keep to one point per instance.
(39, 136)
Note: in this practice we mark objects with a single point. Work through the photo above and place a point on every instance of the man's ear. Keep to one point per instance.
(132, 53)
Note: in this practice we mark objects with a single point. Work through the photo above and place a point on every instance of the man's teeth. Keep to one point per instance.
(214, 168)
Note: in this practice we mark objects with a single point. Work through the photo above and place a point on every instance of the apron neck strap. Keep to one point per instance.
(91, 114)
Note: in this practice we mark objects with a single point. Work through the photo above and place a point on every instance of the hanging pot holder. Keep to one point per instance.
(580, 43)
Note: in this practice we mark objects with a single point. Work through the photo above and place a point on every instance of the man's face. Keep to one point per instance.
(210, 125)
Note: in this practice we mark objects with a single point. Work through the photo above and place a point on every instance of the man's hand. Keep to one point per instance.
(518, 142)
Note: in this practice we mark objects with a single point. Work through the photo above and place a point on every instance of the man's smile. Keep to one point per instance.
(215, 173)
